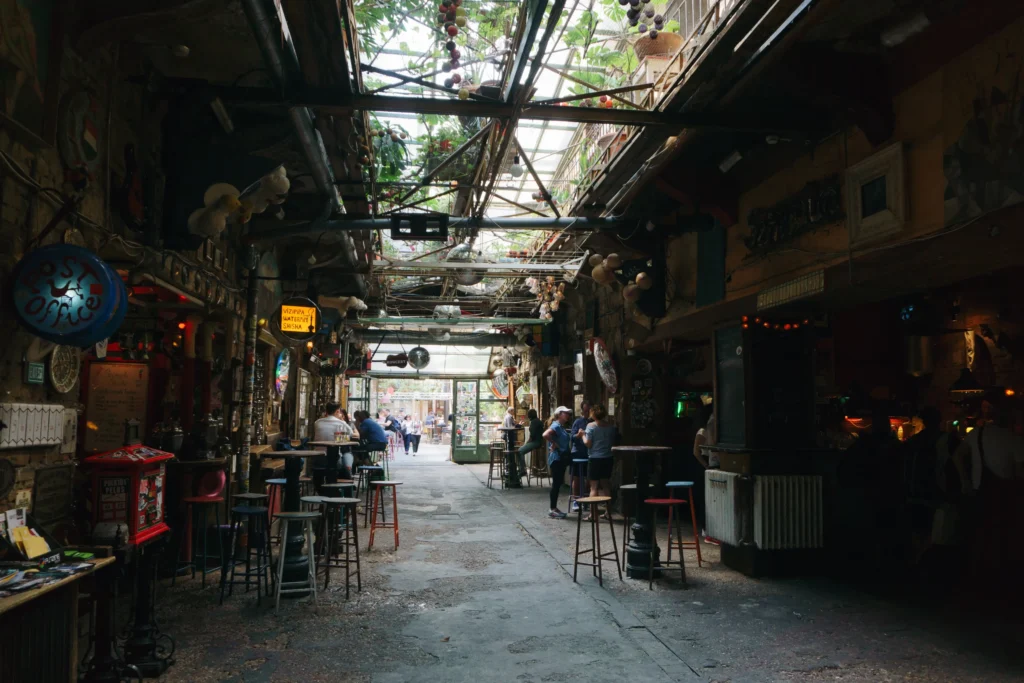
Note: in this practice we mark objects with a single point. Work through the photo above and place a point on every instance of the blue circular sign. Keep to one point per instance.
(67, 295)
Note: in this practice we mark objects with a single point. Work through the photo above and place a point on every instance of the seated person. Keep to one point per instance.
(371, 434)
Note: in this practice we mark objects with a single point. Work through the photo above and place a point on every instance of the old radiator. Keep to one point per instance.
(770, 512)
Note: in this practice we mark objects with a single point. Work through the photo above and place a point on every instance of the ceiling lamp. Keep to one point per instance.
(517, 169)
(419, 357)
(966, 385)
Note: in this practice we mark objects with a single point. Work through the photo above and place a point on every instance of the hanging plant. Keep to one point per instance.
(390, 151)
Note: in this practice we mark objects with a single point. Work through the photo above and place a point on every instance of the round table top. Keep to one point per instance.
(332, 443)
(291, 454)
(509, 429)
(641, 449)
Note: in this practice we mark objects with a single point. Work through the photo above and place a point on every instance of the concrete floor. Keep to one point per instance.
(481, 590)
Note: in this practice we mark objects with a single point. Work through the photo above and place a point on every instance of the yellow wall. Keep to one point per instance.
(930, 116)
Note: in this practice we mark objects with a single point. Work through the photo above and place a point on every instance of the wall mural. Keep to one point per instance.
(982, 166)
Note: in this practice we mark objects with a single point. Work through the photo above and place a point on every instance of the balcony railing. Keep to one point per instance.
(593, 146)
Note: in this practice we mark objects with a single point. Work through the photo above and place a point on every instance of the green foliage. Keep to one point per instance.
(390, 151)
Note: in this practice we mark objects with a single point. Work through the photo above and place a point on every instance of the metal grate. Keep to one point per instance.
(799, 288)
(788, 512)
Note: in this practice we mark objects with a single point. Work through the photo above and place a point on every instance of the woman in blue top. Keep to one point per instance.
(558, 456)
(599, 437)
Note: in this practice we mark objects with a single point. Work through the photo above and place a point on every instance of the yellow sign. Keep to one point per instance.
(298, 319)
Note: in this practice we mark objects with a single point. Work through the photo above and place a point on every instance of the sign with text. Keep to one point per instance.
(298, 318)
(398, 360)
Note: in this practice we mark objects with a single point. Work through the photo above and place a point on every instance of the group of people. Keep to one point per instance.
(336, 425)
(589, 437)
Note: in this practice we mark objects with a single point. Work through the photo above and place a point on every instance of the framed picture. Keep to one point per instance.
(577, 368)
(30, 54)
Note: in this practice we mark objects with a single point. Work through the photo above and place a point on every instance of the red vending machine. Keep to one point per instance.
(128, 488)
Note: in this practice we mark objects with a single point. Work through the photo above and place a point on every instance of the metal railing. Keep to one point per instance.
(593, 146)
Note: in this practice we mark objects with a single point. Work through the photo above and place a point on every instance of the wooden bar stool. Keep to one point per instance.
(341, 539)
(378, 510)
(308, 585)
(343, 488)
(202, 504)
(257, 531)
(497, 464)
(627, 535)
(671, 504)
(275, 493)
(672, 487)
(594, 504)
(538, 466)
(367, 475)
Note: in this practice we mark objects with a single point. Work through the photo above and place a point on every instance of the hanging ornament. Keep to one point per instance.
(613, 261)
(644, 281)
(595, 260)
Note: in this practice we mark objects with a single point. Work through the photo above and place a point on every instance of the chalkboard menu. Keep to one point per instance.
(51, 495)
(730, 387)
(117, 392)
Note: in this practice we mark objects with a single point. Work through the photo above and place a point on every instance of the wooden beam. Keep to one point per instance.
(536, 178)
(587, 96)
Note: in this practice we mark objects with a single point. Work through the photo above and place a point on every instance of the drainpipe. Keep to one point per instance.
(279, 54)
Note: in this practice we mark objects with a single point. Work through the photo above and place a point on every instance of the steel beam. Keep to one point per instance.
(276, 232)
(492, 340)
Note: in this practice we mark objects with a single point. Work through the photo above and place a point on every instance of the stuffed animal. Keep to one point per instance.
(220, 203)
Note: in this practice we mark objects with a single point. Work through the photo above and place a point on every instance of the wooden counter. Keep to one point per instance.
(39, 631)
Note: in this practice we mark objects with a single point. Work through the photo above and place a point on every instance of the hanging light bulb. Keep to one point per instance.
(517, 169)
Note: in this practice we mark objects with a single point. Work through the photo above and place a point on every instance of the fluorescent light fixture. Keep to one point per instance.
(729, 162)
(901, 32)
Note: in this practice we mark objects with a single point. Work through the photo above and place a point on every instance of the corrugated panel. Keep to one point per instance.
(720, 504)
(31, 424)
(788, 512)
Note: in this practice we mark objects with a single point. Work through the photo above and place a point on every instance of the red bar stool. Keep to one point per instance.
(594, 503)
(378, 519)
(203, 503)
(671, 504)
(275, 493)
(672, 487)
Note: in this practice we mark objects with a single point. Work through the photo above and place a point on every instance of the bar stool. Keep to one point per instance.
(285, 519)
(497, 463)
(203, 503)
(378, 510)
(257, 522)
(343, 488)
(275, 491)
(671, 504)
(672, 487)
(594, 503)
(627, 535)
(578, 468)
(340, 526)
(539, 465)
(367, 475)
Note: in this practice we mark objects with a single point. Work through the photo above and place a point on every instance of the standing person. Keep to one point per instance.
(406, 428)
(558, 456)
(416, 433)
(579, 450)
(599, 437)
(535, 438)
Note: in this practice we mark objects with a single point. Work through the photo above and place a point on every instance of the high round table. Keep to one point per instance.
(512, 476)
(334, 450)
(296, 564)
(639, 549)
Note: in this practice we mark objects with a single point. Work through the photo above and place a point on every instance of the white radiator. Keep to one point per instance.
(787, 510)
(720, 506)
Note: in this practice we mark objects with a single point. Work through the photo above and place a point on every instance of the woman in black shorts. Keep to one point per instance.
(599, 438)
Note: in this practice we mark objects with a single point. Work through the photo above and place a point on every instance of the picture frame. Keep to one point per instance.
(876, 197)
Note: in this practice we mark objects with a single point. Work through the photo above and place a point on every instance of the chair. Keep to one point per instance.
(594, 503)
(497, 464)
(285, 519)
(202, 504)
(672, 487)
(257, 529)
(378, 519)
(671, 504)
(339, 529)
(578, 468)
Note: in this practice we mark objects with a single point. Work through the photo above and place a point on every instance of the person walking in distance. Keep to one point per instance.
(416, 433)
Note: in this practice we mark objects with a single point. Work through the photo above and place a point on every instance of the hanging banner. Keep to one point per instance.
(68, 295)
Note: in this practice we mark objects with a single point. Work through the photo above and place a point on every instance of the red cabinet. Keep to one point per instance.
(128, 488)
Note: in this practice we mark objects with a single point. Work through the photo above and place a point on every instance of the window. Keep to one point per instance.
(875, 196)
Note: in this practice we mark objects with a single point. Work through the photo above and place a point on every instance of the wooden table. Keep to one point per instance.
(333, 449)
(39, 630)
(639, 549)
(295, 562)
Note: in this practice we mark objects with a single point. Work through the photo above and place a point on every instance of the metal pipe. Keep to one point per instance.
(425, 338)
(279, 54)
(533, 223)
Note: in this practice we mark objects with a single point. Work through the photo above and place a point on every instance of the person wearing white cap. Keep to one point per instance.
(558, 455)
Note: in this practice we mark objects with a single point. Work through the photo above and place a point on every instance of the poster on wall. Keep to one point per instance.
(30, 64)
(985, 123)
(117, 392)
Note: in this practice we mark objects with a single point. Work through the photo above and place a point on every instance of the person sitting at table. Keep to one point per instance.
(534, 439)
(599, 437)
(371, 434)
(558, 456)
(332, 427)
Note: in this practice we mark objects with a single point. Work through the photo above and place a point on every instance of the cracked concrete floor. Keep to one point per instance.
(481, 590)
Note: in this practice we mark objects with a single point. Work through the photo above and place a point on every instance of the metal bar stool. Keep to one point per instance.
(378, 510)
(367, 475)
(203, 503)
(275, 491)
(672, 486)
(343, 488)
(671, 504)
(578, 468)
(594, 503)
(257, 532)
(341, 535)
(624, 490)
(306, 519)
(497, 463)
